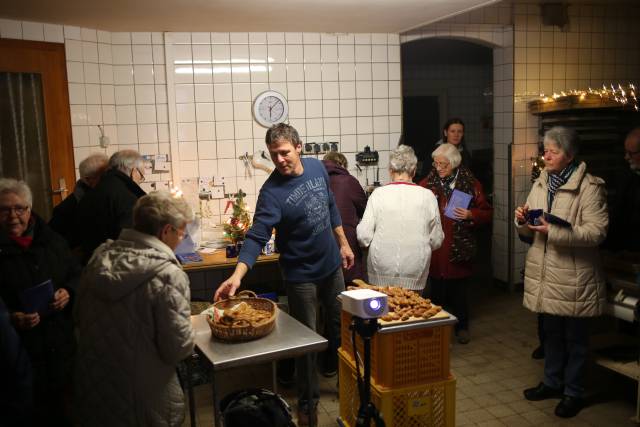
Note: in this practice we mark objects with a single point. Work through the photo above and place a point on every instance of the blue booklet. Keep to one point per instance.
(36, 299)
(189, 258)
(458, 199)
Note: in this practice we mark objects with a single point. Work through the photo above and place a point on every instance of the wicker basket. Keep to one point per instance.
(244, 333)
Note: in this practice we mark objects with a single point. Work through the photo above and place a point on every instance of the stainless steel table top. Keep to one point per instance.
(289, 338)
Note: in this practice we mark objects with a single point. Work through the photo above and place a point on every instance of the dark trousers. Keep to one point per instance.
(303, 299)
(566, 341)
(452, 295)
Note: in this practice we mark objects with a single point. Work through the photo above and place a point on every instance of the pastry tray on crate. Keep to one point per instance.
(405, 354)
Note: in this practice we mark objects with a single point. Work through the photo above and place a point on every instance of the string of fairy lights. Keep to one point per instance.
(625, 95)
(621, 94)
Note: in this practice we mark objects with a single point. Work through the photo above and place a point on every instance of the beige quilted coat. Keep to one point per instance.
(563, 272)
(133, 323)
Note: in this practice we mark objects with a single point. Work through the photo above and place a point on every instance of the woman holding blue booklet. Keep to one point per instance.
(463, 206)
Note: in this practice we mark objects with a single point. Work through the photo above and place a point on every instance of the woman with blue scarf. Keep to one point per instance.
(564, 279)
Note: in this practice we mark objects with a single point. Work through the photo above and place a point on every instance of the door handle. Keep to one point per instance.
(62, 190)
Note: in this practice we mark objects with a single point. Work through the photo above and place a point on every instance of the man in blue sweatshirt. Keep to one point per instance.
(297, 202)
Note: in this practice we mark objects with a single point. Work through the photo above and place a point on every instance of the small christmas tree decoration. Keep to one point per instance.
(239, 223)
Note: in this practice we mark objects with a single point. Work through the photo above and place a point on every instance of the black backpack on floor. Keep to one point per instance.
(256, 407)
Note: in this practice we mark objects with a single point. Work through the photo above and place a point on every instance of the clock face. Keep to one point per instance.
(270, 108)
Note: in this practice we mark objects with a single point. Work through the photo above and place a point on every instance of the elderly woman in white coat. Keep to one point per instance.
(401, 227)
(133, 321)
(563, 275)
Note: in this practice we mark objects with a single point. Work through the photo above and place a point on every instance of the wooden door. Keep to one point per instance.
(47, 60)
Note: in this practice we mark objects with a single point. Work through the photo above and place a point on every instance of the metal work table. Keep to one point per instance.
(290, 338)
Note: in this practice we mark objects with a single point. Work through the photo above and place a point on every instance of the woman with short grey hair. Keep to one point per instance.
(134, 292)
(450, 152)
(563, 278)
(398, 258)
(403, 160)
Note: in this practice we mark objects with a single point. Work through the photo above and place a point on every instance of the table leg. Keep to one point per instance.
(312, 422)
(192, 403)
(274, 379)
(637, 417)
(217, 417)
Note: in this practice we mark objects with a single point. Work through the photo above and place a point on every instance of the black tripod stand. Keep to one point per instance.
(367, 412)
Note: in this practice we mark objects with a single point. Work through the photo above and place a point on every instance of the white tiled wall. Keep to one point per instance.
(343, 88)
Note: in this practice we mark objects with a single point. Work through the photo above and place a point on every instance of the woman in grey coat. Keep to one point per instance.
(133, 321)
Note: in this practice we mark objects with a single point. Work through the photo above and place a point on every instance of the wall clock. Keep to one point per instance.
(270, 108)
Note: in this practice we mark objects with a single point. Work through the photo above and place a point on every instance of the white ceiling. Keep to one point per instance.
(334, 16)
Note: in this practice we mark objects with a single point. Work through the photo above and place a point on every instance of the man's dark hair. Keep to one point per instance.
(282, 131)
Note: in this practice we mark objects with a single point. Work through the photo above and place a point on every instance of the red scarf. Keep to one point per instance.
(23, 241)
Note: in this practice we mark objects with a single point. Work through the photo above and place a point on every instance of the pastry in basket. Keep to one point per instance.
(403, 304)
(243, 314)
(242, 318)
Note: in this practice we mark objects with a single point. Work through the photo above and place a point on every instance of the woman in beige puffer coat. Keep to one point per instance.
(563, 275)
(133, 322)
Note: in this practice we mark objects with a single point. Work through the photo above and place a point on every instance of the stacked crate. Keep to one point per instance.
(411, 383)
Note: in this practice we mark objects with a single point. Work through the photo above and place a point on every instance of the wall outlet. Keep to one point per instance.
(217, 192)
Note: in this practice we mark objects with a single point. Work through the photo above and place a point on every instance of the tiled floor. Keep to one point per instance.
(491, 371)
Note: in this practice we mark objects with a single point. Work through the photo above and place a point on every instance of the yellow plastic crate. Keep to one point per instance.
(403, 358)
(427, 405)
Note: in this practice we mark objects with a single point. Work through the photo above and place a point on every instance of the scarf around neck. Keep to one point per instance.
(557, 180)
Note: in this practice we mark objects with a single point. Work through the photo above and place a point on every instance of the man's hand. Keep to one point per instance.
(348, 259)
(60, 299)
(228, 287)
(345, 250)
(24, 321)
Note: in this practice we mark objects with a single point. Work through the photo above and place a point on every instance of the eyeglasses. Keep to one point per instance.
(439, 165)
(180, 232)
(19, 210)
(141, 174)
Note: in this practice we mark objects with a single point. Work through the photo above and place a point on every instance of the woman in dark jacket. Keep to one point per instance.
(452, 264)
(31, 254)
(351, 201)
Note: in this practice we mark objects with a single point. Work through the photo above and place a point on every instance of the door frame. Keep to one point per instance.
(48, 60)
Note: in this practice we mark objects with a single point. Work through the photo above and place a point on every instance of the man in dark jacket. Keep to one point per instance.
(106, 210)
(64, 214)
(624, 232)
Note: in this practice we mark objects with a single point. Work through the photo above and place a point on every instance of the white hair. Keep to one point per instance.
(19, 188)
(159, 208)
(126, 160)
(403, 159)
(449, 151)
(565, 138)
(93, 165)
